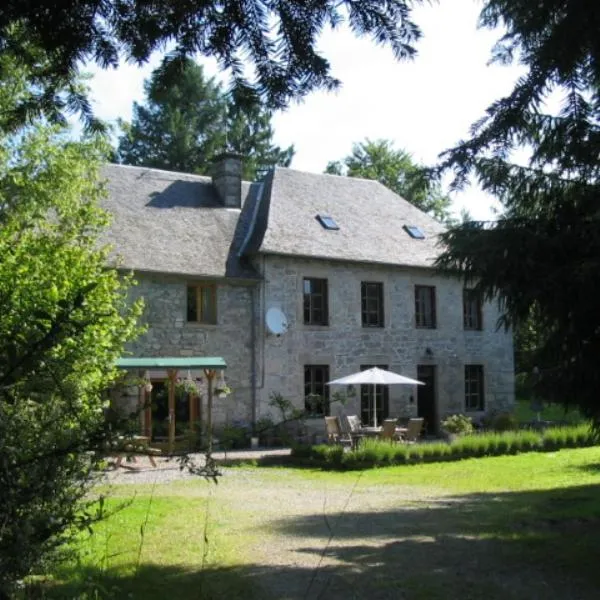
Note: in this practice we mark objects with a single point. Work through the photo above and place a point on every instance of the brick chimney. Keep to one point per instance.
(227, 178)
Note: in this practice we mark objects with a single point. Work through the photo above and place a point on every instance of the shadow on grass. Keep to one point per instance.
(154, 582)
(524, 545)
(535, 544)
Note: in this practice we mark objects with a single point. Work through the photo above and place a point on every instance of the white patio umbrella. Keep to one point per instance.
(375, 377)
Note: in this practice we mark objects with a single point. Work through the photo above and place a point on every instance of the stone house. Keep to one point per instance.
(343, 266)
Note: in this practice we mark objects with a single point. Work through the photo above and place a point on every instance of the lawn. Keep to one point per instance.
(509, 527)
(549, 412)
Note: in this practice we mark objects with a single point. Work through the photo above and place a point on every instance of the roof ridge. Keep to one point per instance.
(335, 175)
(207, 178)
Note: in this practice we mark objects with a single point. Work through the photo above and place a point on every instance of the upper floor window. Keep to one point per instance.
(474, 389)
(371, 294)
(472, 318)
(202, 303)
(425, 316)
(315, 301)
(316, 393)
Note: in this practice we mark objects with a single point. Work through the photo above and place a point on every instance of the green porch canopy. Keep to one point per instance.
(172, 365)
(184, 362)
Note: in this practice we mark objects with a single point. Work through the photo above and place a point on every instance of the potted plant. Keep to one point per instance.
(457, 425)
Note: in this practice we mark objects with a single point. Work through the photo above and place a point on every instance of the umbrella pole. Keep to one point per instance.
(375, 405)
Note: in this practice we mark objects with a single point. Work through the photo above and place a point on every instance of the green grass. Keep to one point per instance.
(524, 526)
(550, 412)
(152, 544)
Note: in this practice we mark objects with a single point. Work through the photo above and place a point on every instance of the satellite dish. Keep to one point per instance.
(276, 322)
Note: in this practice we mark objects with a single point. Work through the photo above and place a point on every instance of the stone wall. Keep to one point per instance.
(345, 345)
(169, 334)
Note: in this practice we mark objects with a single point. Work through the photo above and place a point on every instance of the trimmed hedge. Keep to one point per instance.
(376, 453)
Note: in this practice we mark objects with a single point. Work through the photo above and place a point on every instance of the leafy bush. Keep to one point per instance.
(504, 421)
(458, 425)
(234, 437)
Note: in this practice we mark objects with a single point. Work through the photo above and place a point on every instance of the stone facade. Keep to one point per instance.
(276, 364)
(169, 334)
(345, 345)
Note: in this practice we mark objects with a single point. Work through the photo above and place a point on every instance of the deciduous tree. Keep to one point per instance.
(64, 317)
(396, 169)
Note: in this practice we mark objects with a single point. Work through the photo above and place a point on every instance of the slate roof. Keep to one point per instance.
(170, 222)
(370, 219)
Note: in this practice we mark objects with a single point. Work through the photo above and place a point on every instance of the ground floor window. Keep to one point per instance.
(374, 400)
(316, 393)
(474, 389)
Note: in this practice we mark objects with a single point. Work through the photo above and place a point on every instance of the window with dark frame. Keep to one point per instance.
(472, 309)
(425, 315)
(315, 301)
(202, 303)
(371, 295)
(474, 388)
(316, 393)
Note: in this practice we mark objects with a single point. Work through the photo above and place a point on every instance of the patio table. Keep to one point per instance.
(376, 431)
(136, 445)
(370, 431)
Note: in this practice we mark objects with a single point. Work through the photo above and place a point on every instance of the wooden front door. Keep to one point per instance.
(426, 405)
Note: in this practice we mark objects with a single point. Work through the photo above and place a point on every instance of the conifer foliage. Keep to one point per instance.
(277, 39)
(188, 119)
(542, 257)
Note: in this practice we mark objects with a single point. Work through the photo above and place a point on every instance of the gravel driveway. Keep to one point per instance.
(311, 537)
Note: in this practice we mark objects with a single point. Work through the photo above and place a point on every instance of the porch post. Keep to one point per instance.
(172, 375)
(210, 375)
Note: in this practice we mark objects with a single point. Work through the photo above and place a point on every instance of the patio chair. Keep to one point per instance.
(354, 424)
(388, 430)
(335, 435)
(353, 430)
(414, 428)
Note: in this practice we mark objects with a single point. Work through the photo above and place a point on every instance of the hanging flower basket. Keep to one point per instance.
(222, 391)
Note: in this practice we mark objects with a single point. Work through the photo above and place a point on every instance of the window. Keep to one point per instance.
(327, 222)
(474, 395)
(315, 301)
(425, 306)
(472, 310)
(369, 403)
(372, 304)
(414, 232)
(202, 303)
(316, 393)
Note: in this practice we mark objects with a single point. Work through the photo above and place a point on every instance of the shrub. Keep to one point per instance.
(372, 453)
(504, 421)
(458, 425)
(234, 437)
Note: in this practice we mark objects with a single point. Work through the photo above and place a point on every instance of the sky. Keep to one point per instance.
(424, 106)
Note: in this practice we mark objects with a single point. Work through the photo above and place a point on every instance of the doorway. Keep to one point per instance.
(426, 405)
(158, 424)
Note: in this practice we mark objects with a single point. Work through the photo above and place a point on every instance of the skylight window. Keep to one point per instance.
(327, 222)
(414, 232)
